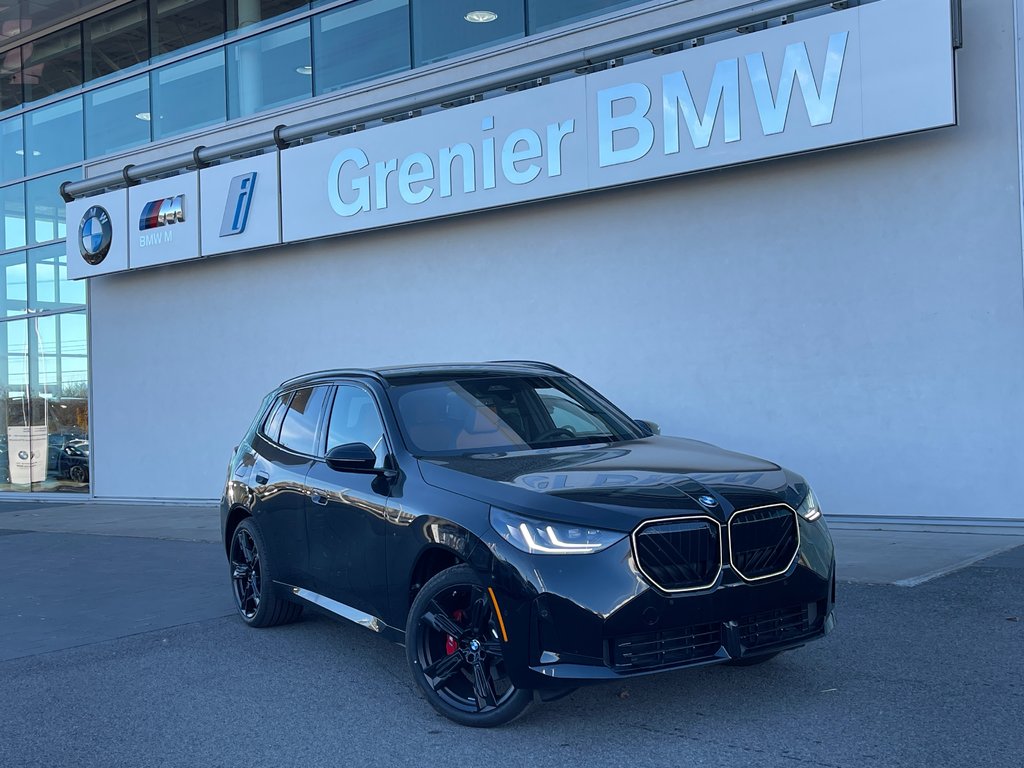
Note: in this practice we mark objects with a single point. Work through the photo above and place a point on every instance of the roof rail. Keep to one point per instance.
(332, 372)
(538, 363)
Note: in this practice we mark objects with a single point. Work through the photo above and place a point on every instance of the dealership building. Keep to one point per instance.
(789, 228)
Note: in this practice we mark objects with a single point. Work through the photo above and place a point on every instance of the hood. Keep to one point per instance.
(615, 485)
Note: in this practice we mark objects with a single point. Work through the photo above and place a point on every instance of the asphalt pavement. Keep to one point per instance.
(118, 647)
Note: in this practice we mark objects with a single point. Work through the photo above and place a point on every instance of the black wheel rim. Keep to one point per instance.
(245, 573)
(459, 650)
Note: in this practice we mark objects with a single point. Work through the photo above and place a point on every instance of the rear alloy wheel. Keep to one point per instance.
(455, 651)
(253, 590)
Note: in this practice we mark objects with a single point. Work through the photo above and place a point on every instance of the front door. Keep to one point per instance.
(345, 511)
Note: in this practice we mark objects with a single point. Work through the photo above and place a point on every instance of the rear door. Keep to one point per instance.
(346, 511)
(284, 449)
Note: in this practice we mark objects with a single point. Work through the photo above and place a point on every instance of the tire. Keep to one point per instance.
(752, 661)
(78, 474)
(455, 652)
(251, 584)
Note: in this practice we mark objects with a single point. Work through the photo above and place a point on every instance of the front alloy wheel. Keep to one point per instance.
(455, 651)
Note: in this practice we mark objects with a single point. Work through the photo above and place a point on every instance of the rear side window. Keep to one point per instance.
(272, 425)
(298, 430)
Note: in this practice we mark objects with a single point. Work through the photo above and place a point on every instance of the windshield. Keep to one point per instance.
(505, 413)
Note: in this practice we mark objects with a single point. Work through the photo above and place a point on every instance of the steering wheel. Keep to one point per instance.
(565, 431)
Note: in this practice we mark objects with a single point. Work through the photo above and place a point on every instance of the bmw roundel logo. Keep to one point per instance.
(707, 501)
(23, 455)
(94, 235)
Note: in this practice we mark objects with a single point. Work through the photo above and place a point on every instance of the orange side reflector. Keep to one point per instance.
(497, 610)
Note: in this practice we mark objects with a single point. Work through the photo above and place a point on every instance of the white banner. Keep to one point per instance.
(27, 452)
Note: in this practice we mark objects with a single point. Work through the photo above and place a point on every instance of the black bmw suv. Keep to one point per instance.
(517, 532)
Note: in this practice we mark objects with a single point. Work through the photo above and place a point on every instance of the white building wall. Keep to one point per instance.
(855, 314)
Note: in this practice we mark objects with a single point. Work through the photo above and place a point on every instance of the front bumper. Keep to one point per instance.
(598, 618)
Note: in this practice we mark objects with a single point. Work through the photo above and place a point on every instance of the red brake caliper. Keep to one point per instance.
(451, 644)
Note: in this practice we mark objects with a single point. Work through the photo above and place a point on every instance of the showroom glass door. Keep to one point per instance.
(44, 422)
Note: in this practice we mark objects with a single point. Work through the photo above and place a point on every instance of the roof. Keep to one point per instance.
(393, 373)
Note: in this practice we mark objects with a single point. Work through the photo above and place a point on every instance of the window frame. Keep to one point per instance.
(319, 432)
(262, 431)
(329, 411)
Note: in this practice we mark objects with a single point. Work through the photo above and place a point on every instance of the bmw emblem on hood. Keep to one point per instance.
(707, 501)
(94, 235)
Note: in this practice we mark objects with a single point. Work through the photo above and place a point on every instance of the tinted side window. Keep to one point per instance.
(272, 425)
(355, 419)
(298, 430)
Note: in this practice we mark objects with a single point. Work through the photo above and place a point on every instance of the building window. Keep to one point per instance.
(245, 13)
(360, 41)
(189, 95)
(15, 289)
(12, 149)
(49, 289)
(52, 63)
(445, 28)
(545, 15)
(46, 207)
(117, 117)
(179, 24)
(53, 136)
(11, 92)
(270, 70)
(44, 421)
(12, 200)
(117, 40)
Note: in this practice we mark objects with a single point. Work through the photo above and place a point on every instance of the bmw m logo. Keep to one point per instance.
(160, 213)
(94, 235)
(707, 501)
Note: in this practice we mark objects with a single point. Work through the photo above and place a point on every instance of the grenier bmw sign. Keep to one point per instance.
(877, 70)
(869, 72)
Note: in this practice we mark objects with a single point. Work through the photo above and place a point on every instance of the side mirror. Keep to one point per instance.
(351, 457)
(650, 427)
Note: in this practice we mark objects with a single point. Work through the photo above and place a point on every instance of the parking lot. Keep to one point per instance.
(122, 650)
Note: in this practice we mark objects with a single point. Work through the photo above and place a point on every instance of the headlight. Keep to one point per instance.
(810, 510)
(543, 538)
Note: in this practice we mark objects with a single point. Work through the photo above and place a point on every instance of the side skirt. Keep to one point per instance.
(346, 612)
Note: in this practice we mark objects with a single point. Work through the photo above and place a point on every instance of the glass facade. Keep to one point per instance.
(52, 64)
(442, 29)
(377, 29)
(117, 117)
(53, 136)
(269, 70)
(189, 95)
(117, 40)
(119, 80)
(45, 207)
(545, 15)
(12, 149)
(44, 421)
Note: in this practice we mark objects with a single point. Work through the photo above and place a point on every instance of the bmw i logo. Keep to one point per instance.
(707, 501)
(94, 235)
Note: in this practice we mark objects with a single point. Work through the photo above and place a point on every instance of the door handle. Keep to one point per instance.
(318, 497)
(261, 479)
